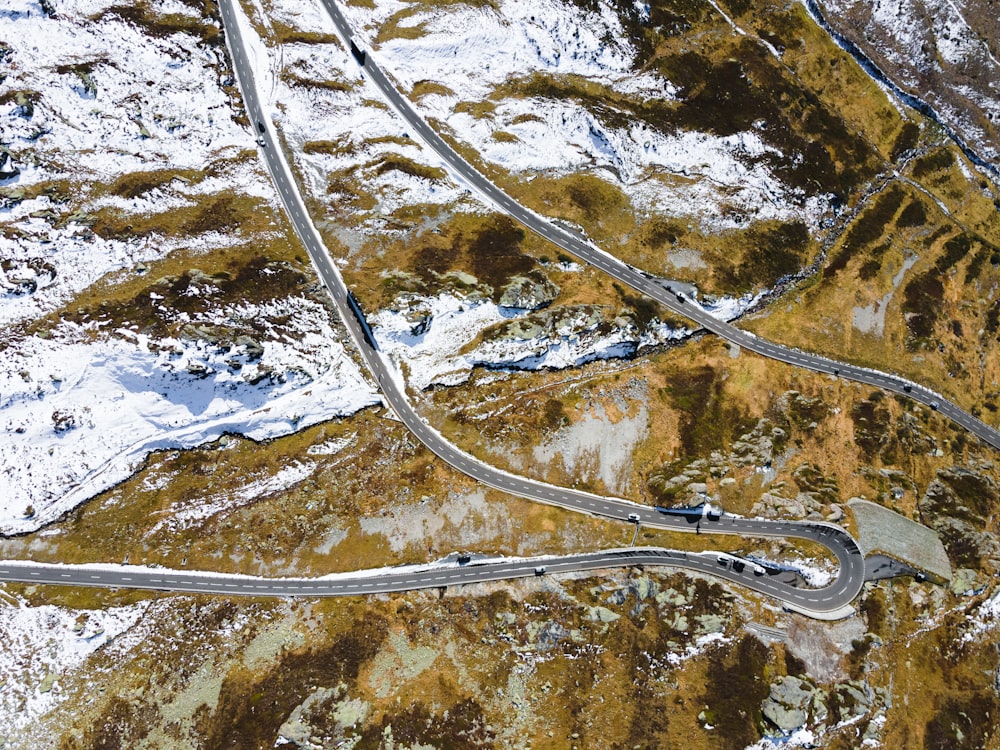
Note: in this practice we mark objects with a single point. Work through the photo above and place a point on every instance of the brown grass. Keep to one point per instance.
(429, 88)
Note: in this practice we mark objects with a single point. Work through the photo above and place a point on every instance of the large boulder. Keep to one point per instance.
(528, 293)
(853, 698)
(787, 705)
(601, 614)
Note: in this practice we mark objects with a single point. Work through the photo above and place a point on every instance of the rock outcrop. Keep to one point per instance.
(787, 705)
(956, 505)
(529, 292)
(794, 703)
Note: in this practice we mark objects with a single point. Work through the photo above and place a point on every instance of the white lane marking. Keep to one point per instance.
(423, 126)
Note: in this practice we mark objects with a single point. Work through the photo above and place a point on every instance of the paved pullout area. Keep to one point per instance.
(884, 530)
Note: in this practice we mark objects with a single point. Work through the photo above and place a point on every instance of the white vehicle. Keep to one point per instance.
(633, 517)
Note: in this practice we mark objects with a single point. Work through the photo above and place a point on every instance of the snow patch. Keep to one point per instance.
(187, 513)
(428, 334)
(816, 573)
(986, 617)
(430, 348)
(80, 415)
(700, 643)
(799, 738)
(331, 447)
(43, 643)
(516, 39)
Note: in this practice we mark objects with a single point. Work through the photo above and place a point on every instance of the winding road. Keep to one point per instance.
(829, 602)
(441, 574)
(653, 287)
(849, 556)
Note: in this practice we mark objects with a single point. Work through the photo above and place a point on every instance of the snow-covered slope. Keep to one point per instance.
(43, 264)
(943, 51)
(79, 415)
(464, 55)
(111, 96)
(87, 97)
(473, 51)
(96, 99)
(41, 644)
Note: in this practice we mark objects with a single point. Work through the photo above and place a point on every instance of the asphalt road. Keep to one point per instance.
(770, 582)
(816, 602)
(843, 590)
(657, 289)
(827, 601)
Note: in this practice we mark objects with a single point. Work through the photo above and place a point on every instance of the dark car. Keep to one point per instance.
(464, 559)
(260, 126)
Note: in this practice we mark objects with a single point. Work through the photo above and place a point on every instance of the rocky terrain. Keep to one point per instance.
(943, 54)
(176, 390)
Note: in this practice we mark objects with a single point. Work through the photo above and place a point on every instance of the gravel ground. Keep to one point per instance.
(886, 531)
